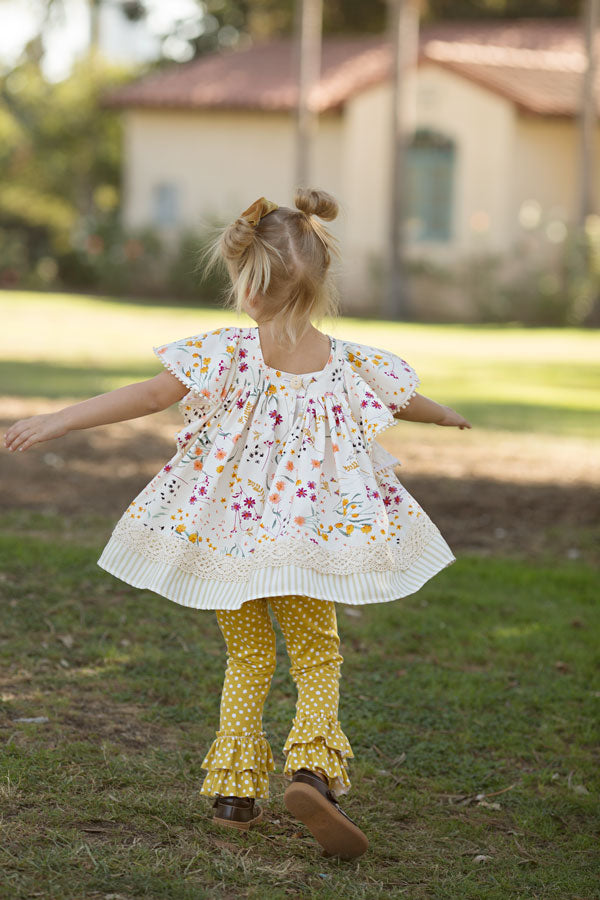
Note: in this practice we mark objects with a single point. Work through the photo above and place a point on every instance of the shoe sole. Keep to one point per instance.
(241, 826)
(334, 832)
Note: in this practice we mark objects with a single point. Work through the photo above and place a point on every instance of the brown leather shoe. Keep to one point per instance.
(236, 812)
(311, 801)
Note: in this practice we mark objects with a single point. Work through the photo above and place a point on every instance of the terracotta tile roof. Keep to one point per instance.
(262, 77)
(535, 63)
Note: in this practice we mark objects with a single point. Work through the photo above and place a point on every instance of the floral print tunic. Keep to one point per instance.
(278, 485)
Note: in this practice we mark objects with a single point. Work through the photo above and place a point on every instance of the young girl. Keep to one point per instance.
(278, 495)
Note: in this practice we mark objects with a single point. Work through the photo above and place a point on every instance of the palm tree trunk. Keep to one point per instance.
(404, 34)
(309, 18)
(94, 6)
(587, 118)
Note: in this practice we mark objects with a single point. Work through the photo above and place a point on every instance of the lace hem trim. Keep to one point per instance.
(196, 560)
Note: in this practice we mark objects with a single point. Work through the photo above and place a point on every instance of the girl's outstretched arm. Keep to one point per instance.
(422, 409)
(128, 402)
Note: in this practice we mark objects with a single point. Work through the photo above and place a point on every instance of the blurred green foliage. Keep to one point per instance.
(539, 283)
(60, 162)
(220, 20)
(223, 24)
(60, 190)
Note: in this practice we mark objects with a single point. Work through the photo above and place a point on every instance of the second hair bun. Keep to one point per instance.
(316, 203)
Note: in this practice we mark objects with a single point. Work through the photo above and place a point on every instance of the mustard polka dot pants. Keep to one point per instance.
(240, 758)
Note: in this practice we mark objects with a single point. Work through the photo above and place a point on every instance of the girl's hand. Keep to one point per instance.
(34, 430)
(451, 417)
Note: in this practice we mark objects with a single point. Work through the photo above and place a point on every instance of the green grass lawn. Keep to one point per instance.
(472, 706)
(499, 377)
(484, 682)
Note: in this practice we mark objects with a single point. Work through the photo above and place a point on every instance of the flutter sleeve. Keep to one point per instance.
(203, 362)
(392, 380)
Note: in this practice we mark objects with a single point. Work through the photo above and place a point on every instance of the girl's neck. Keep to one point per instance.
(310, 354)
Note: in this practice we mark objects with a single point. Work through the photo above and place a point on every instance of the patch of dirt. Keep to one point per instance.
(488, 492)
(119, 723)
(94, 719)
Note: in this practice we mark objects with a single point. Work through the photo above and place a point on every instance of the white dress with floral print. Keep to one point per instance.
(278, 485)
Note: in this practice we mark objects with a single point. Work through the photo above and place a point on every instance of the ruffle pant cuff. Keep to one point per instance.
(319, 744)
(238, 766)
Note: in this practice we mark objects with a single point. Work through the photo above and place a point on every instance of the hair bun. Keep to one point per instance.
(236, 238)
(316, 203)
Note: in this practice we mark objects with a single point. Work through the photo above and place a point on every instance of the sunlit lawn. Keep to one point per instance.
(501, 377)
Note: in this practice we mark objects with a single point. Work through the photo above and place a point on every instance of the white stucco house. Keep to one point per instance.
(495, 153)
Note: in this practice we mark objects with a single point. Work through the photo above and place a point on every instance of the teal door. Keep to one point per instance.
(430, 176)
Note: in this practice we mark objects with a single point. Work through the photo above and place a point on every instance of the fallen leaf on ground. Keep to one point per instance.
(225, 845)
(352, 612)
(489, 805)
(580, 789)
(37, 719)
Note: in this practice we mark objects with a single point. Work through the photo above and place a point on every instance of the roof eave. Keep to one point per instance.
(165, 106)
(496, 89)
(121, 103)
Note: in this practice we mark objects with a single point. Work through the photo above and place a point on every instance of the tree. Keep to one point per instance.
(590, 21)
(225, 23)
(404, 36)
(59, 152)
(308, 45)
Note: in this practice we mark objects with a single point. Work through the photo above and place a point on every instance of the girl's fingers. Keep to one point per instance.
(15, 432)
(18, 441)
(31, 439)
(10, 435)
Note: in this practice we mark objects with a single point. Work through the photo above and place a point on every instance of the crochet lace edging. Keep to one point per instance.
(196, 560)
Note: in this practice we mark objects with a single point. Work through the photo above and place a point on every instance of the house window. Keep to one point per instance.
(165, 204)
(430, 175)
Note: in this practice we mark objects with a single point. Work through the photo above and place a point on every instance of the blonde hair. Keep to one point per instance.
(286, 258)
